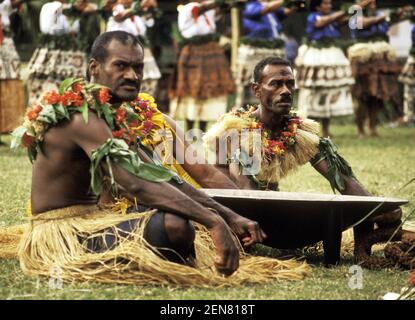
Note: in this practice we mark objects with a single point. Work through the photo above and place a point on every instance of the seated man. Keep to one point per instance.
(82, 136)
(274, 142)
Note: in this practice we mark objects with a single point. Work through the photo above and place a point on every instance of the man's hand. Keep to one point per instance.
(248, 231)
(227, 257)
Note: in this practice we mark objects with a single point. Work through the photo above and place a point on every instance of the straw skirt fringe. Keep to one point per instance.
(52, 242)
(376, 70)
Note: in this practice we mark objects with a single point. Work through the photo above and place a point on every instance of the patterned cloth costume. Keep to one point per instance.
(203, 76)
(324, 75)
(57, 57)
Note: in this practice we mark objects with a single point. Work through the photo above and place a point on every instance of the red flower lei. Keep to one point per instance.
(285, 140)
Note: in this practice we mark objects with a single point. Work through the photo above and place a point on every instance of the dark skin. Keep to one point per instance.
(275, 93)
(60, 174)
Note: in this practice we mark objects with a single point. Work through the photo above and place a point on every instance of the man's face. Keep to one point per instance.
(122, 71)
(325, 7)
(276, 89)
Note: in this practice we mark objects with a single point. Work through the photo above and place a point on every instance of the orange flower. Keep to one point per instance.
(131, 137)
(52, 97)
(103, 95)
(118, 134)
(120, 115)
(33, 112)
(69, 98)
(77, 87)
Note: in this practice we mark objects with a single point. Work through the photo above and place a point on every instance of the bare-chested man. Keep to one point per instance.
(61, 171)
(288, 142)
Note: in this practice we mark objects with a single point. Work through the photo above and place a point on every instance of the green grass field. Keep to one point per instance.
(383, 165)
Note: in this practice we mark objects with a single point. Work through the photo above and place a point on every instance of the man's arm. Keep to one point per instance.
(210, 177)
(205, 174)
(92, 135)
(367, 22)
(352, 185)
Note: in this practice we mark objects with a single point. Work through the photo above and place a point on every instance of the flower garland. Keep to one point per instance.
(272, 147)
(138, 119)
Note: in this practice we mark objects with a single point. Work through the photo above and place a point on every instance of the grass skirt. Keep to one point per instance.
(376, 70)
(51, 244)
(202, 72)
(12, 104)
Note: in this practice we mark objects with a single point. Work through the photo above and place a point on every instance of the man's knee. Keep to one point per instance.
(180, 231)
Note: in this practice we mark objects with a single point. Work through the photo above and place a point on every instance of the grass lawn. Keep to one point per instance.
(383, 165)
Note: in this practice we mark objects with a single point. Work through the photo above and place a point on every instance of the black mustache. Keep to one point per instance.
(129, 83)
(285, 100)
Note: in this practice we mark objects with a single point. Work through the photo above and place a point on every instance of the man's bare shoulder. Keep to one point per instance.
(87, 133)
(90, 125)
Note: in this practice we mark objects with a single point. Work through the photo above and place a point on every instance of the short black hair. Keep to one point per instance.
(314, 4)
(99, 50)
(274, 61)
